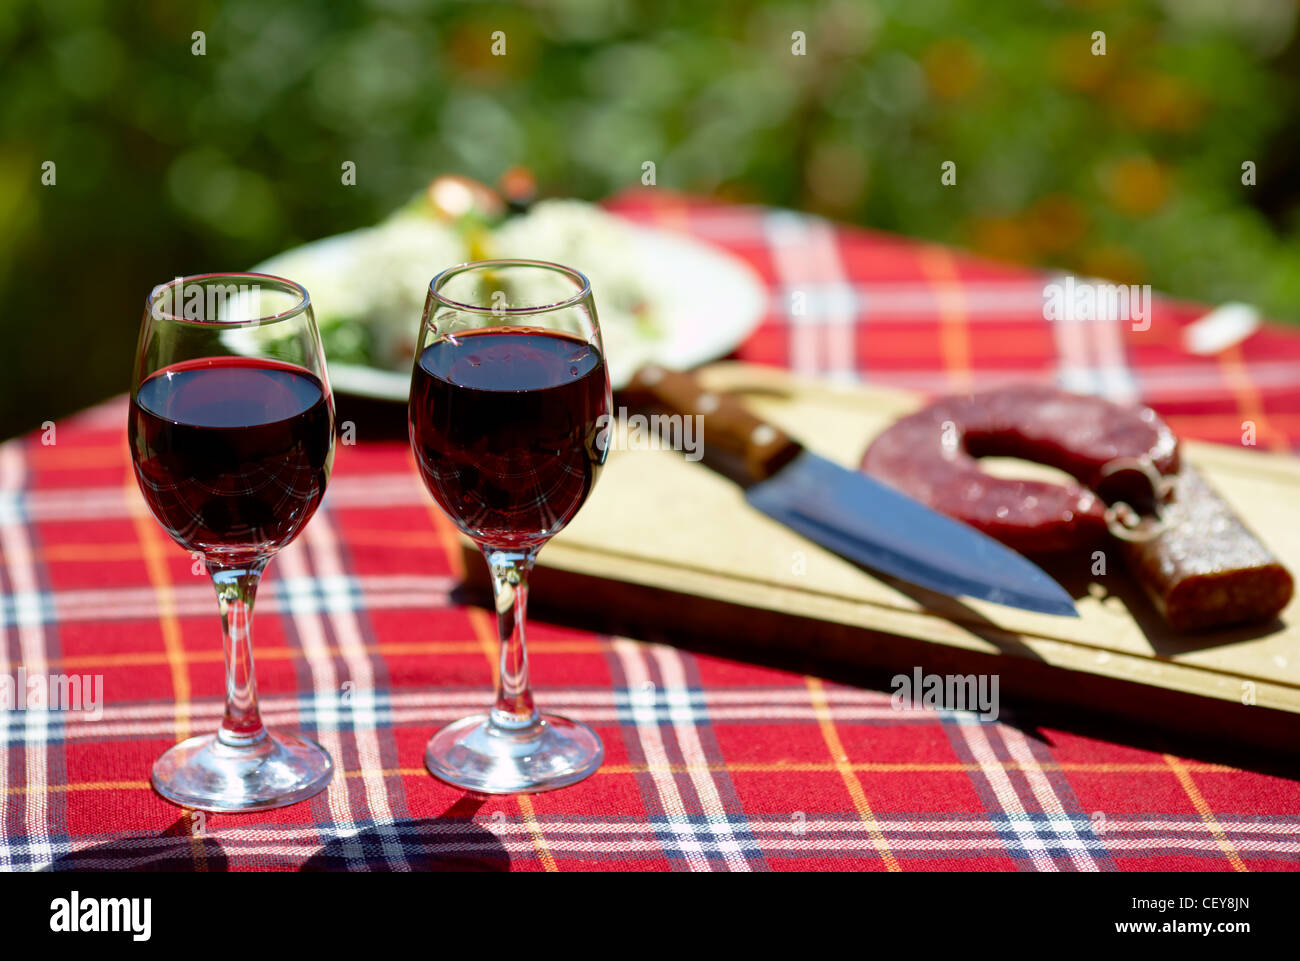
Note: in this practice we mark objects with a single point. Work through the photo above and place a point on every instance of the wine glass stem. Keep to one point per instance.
(513, 714)
(236, 590)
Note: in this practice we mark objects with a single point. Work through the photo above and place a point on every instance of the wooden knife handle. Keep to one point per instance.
(758, 448)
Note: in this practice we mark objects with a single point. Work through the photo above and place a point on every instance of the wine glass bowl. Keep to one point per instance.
(231, 433)
(509, 411)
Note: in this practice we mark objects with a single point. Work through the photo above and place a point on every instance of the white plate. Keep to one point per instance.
(707, 303)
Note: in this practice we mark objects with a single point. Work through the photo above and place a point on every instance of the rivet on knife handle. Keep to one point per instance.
(761, 448)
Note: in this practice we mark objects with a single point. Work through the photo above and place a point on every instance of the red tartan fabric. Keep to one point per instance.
(724, 766)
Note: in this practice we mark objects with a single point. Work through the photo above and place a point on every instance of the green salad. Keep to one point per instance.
(368, 287)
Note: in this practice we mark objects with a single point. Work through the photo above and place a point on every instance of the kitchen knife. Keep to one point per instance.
(848, 512)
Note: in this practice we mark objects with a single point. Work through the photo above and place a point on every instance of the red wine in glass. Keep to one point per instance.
(232, 453)
(231, 432)
(509, 412)
(506, 426)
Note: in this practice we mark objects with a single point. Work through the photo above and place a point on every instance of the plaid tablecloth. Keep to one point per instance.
(362, 643)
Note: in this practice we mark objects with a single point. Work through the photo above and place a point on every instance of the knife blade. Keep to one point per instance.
(850, 513)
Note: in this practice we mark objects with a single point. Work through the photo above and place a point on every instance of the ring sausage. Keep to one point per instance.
(931, 455)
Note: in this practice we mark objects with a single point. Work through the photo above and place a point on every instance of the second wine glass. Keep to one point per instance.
(509, 412)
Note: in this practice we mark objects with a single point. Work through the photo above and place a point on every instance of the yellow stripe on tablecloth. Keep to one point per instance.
(817, 696)
(485, 629)
(916, 767)
(1250, 404)
(1207, 814)
(535, 829)
(448, 539)
(152, 547)
(483, 624)
(86, 786)
(954, 327)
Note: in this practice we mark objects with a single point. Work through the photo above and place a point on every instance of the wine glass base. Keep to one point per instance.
(205, 774)
(476, 756)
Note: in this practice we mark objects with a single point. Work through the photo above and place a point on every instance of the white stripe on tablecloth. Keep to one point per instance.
(650, 736)
(19, 563)
(155, 719)
(962, 827)
(805, 256)
(431, 706)
(325, 688)
(1091, 357)
(323, 544)
(977, 741)
(1059, 821)
(1116, 380)
(754, 702)
(321, 709)
(381, 592)
(5, 521)
(997, 302)
(1073, 360)
(683, 716)
(841, 316)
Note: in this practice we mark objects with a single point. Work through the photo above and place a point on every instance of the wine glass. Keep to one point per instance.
(509, 414)
(231, 430)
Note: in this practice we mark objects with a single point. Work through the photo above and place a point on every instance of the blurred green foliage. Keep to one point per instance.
(1127, 165)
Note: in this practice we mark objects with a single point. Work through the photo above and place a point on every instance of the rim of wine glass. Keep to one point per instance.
(289, 286)
(446, 275)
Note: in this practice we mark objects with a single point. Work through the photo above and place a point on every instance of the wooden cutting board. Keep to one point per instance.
(666, 548)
